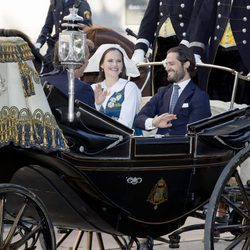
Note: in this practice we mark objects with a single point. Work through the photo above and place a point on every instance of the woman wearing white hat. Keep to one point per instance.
(115, 96)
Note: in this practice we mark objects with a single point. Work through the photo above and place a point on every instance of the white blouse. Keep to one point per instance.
(131, 103)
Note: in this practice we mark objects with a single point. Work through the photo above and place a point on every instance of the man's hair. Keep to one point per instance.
(185, 54)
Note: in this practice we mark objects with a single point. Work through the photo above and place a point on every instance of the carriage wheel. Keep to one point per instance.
(228, 215)
(24, 223)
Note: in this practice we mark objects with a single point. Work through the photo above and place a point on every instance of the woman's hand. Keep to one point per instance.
(164, 120)
(100, 95)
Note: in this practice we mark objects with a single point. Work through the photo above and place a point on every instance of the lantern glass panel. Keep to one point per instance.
(64, 47)
(78, 47)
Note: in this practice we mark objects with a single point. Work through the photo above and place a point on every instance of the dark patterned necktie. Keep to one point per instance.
(174, 98)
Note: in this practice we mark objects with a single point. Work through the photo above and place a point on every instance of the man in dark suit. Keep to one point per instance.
(58, 9)
(221, 36)
(192, 103)
(164, 25)
(59, 78)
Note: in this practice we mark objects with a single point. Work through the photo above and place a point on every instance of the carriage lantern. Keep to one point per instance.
(71, 52)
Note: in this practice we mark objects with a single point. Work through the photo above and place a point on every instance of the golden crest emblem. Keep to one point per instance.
(159, 193)
(86, 14)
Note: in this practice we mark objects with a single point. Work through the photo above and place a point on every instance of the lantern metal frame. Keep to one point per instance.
(72, 41)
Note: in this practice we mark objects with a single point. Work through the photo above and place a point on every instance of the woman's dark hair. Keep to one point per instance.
(185, 54)
(101, 75)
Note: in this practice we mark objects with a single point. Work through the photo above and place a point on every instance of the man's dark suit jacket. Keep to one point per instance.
(83, 91)
(192, 105)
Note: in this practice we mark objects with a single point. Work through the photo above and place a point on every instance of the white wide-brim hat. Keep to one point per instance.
(94, 61)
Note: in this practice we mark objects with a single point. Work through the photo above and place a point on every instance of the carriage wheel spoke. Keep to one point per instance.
(118, 241)
(230, 228)
(14, 225)
(2, 206)
(243, 191)
(246, 244)
(237, 240)
(78, 240)
(131, 242)
(125, 242)
(234, 207)
(89, 240)
(64, 236)
(100, 241)
(27, 236)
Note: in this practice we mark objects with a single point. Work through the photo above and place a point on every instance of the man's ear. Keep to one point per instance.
(186, 64)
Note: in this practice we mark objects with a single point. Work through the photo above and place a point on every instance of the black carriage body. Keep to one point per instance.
(114, 182)
(116, 195)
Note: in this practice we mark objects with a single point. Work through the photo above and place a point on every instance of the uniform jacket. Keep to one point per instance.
(57, 10)
(179, 11)
(192, 105)
(211, 21)
(83, 91)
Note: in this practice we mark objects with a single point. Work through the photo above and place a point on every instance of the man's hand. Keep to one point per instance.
(164, 120)
(138, 56)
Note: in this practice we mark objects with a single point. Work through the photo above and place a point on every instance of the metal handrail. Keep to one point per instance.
(234, 72)
(238, 75)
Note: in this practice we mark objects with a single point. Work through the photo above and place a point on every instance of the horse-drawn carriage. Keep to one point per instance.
(111, 181)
